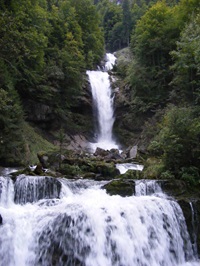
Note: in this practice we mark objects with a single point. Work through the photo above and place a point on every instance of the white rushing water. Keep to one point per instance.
(124, 167)
(87, 227)
(103, 102)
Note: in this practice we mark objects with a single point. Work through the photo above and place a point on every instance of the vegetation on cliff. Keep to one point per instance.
(45, 49)
(162, 81)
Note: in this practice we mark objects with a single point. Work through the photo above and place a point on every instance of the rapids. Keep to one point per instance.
(82, 225)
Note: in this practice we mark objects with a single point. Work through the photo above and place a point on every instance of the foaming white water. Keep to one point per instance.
(110, 61)
(147, 187)
(103, 102)
(34, 188)
(6, 191)
(87, 227)
(124, 167)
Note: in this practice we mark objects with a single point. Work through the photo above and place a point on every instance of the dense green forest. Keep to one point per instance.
(47, 46)
(45, 49)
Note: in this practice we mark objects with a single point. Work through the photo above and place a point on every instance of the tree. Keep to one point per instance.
(154, 37)
(92, 35)
(178, 142)
(126, 22)
(112, 18)
(186, 65)
(11, 134)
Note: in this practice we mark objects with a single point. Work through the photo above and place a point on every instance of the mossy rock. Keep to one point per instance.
(71, 170)
(174, 187)
(120, 187)
(49, 159)
(132, 174)
(104, 169)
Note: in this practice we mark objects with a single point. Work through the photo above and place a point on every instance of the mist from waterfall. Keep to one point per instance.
(103, 105)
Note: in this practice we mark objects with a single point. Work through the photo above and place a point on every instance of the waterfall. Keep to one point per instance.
(85, 226)
(195, 224)
(147, 187)
(34, 188)
(103, 102)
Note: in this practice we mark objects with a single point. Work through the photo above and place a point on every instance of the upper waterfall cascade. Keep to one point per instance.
(82, 225)
(103, 105)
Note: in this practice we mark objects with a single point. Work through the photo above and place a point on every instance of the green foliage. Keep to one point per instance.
(190, 175)
(178, 142)
(92, 35)
(112, 18)
(124, 59)
(45, 48)
(118, 22)
(33, 144)
(155, 37)
(11, 121)
(186, 65)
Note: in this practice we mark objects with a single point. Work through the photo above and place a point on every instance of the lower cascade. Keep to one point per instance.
(75, 222)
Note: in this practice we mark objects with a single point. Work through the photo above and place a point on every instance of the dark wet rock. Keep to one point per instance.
(113, 155)
(174, 187)
(34, 188)
(1, 220)
(120, 187)
(188, 199)
(43, 159)
(38, 170)
(101, 152)
(191, 211)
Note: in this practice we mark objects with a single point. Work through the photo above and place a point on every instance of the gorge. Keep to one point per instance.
(65, 222)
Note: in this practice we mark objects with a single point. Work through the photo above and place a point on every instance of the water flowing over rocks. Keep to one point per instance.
(34, 188)
(81, 208)
(86, 226)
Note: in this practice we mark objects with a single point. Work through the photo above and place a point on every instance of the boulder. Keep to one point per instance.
(191, 212)
(132, 174)
(120, 187)
(101, 152)
(114, 155)
(77, 142)
(43, 158)
(174, 187)
(133, 152)
(105, 170)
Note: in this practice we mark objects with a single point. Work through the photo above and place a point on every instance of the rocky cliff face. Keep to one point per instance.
(49, 117)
